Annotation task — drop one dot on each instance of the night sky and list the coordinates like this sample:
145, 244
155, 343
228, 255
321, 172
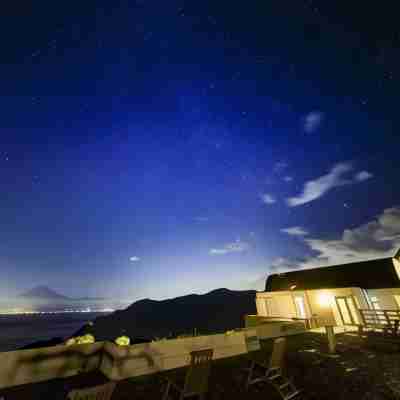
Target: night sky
159, 148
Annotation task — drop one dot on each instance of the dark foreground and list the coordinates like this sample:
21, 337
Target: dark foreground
355, 372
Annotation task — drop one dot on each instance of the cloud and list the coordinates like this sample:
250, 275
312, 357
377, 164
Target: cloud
235, 247
134, 259
295, 231
201, 219
376, 239
268, 199
281, 264
287, 178
363, 176
316, 188
312, 121
280, 166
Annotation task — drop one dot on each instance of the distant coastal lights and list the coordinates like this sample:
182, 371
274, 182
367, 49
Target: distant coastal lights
29, 312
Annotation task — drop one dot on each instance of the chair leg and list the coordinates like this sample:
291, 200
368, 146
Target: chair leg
250, 375
166, 392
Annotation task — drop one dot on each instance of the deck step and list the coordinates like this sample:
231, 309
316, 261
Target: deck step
284, 385
292, 395
273, 377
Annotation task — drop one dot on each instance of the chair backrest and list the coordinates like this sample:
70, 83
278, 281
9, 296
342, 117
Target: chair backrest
278, 353
101, 392
396, 327
196, 381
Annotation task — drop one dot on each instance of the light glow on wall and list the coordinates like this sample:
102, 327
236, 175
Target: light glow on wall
325, 299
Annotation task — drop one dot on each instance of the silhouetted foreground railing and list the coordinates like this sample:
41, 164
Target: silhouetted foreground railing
35, 365
117, 362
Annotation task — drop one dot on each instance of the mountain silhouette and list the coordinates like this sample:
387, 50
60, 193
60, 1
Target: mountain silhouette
43, 292
216, 311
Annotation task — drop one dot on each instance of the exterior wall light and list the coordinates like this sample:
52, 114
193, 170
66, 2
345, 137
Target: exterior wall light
325, 299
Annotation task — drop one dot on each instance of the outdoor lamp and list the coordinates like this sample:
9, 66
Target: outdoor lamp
324, 299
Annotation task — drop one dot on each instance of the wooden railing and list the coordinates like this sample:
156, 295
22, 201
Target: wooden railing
115, 362
379, 318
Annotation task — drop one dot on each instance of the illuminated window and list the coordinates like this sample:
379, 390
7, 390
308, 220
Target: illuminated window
357, 302
300, 308
396, 264
397, 300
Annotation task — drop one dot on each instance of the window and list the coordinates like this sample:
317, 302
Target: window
271, 309
368, 300
397, 300
261, 307
300, 308
357, 302
396, 264
347, 310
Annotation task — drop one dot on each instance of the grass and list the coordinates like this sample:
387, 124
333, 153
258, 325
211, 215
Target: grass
355, 372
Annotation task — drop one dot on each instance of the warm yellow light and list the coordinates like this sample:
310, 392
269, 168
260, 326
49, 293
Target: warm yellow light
292, 287
325, 299
122, 341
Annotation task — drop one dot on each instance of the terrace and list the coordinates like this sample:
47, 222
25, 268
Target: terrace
354, 372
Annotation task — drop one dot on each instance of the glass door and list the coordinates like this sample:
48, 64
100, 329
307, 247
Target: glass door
300, 308
347, 310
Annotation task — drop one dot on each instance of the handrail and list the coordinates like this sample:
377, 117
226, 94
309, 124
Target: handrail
35, 365
383, 317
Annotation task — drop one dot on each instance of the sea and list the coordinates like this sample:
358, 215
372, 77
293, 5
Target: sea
22, 324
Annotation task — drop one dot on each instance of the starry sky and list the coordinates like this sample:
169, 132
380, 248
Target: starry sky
157, 148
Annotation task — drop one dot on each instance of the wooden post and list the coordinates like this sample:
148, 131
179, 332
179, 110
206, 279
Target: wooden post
331, 338
363, 317
360, 330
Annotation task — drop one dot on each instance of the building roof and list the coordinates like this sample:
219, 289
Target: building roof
372, 274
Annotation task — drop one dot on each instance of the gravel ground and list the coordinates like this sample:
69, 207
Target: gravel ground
356, 371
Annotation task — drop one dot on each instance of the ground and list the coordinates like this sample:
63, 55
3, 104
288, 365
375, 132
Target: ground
356, 371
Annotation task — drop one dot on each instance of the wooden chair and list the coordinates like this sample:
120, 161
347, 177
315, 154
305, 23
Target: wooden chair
100, 392
196, 379
272, 372
392, 329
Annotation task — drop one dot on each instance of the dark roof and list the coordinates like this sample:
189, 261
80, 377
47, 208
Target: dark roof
373, 274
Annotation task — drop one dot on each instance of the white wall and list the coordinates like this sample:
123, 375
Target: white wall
327, 314
385, 297
282, 304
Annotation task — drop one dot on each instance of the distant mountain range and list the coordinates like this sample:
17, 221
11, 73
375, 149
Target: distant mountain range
216, 311
45, 293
